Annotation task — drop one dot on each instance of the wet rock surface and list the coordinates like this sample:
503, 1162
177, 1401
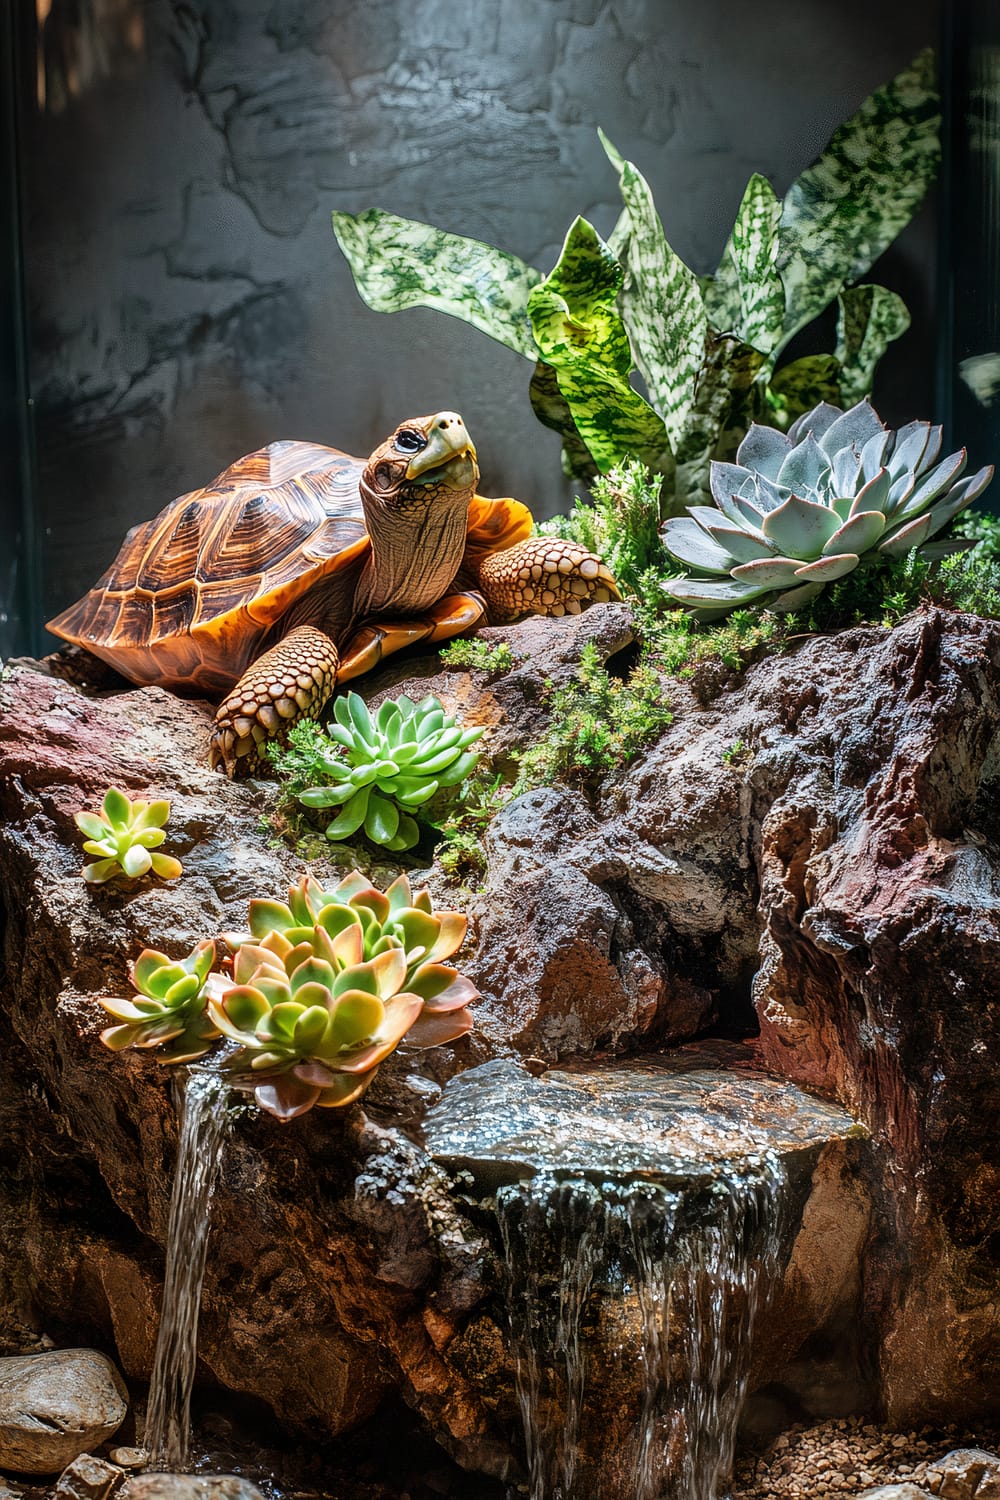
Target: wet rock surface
843, 874
55, 1406
190, 1487
672, 1120
88, 1478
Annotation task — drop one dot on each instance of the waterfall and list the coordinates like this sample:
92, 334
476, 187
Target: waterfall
691, 1267
200, 1098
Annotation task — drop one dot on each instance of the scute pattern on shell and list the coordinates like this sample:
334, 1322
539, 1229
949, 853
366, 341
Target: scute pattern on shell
193, 591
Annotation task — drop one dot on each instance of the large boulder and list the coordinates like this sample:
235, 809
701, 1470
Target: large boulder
55, 1406
839, 872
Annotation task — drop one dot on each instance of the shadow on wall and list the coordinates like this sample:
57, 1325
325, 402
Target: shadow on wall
187, 301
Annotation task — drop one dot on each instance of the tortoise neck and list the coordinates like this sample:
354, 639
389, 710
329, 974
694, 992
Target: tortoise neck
414, 558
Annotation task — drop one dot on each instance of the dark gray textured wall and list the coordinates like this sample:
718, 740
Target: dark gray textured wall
189, 303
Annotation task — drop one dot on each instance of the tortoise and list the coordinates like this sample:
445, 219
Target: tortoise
300, 567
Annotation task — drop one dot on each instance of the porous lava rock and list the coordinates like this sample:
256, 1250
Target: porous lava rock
840, 873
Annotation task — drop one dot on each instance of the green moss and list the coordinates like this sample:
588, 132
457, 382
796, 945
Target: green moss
474, 655
984, 530
461, 853
598, 724
621, 523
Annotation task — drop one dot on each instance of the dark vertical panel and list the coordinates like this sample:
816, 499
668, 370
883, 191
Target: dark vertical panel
969, 363
20, 549
187, 299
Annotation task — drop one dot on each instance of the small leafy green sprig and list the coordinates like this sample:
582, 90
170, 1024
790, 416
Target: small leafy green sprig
598, 724
123, 833
385, 768
170, 1011
471, 654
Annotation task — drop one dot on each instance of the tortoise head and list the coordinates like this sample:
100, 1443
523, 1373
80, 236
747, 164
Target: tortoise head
426, 461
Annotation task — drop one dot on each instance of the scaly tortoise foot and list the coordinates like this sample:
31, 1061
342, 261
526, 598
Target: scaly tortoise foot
291, 681
546, 576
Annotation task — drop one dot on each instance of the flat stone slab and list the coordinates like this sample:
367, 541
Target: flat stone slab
668, 1119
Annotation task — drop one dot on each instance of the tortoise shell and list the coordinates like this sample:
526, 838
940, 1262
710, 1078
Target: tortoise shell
193, 593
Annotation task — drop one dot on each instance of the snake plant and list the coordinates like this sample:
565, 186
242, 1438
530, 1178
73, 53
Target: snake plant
169, 1013
801, 509
385, 768
123, 833
708, 348
381, 921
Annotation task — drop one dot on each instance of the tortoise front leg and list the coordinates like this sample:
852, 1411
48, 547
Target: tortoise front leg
291, 681
544, 576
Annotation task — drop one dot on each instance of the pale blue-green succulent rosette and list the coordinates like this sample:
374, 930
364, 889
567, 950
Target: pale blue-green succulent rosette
800, 509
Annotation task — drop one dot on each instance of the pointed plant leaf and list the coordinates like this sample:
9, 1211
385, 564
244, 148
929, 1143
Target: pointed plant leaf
580, 333
796, 388
116, 806
552, 409
869, 319
746, 295
401, 263
851, 203
90, 824
662, 305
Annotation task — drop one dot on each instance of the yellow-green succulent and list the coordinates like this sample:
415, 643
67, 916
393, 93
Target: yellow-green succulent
123, 834
169, 1013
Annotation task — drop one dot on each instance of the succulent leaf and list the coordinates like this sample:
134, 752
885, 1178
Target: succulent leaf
123, 833
172, 1003
838, 490
388, 765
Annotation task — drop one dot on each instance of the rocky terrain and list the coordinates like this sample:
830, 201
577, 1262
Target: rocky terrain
826, 899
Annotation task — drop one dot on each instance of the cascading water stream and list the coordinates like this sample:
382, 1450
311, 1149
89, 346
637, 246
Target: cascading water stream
694, 1264
200, 1099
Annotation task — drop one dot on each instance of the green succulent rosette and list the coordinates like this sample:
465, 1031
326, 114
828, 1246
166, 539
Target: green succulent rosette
124, 835
387, 767
312, 1029
800, 509
169, 1012
394, 920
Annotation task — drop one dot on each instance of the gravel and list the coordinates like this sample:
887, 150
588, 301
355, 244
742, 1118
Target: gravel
847, 1457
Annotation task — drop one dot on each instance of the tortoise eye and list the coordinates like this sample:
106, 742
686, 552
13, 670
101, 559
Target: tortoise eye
408, 441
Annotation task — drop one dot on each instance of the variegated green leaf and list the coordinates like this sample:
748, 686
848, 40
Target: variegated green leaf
400, 263
870, 318
550, 408
719, 419
746, 296
798, 387
579, 332
661, 304
855, 198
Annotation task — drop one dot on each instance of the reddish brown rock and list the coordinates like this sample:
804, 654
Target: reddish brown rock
849, 860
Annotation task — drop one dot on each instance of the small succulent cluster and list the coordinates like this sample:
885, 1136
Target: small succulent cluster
122, 834
322, 990
385, 768
801, 509
170, 1012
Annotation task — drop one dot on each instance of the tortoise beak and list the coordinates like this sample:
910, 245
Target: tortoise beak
447, 438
